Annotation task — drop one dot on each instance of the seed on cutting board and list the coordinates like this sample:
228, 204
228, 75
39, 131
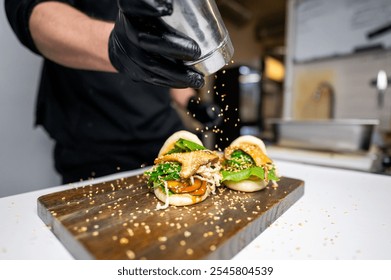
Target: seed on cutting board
162, 238
189, 251
124, 240
130, 232
130, 254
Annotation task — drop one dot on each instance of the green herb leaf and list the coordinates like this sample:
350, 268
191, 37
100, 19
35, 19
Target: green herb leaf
272, 175
239, 161
243, 174
163, 172
183, 146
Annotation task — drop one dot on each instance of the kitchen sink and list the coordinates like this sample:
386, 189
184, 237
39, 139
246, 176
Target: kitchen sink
337, 135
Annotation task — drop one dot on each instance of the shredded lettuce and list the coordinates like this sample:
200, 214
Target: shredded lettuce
163, 172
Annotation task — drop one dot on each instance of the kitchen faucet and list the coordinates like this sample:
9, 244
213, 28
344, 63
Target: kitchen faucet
322, 89
381, 84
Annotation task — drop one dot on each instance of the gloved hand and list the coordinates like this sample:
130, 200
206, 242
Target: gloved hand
147, 49
207, 113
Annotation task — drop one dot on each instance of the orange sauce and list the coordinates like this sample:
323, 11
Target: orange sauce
183, 187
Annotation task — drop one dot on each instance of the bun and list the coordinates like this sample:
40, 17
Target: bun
249, 139
180, 199
246, 185
170, 142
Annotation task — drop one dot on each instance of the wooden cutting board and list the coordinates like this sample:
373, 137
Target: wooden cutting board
117, 220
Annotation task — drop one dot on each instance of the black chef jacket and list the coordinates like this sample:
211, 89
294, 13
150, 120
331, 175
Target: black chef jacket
101, 122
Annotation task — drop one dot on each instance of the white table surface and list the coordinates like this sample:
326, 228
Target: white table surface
343, 215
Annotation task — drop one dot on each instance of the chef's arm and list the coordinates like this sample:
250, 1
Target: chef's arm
181, 96
138, 44
68, 37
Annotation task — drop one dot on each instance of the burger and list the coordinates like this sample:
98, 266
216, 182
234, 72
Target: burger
185, 172
246, 166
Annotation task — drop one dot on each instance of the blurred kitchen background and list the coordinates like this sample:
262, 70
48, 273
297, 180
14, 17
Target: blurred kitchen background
310, 77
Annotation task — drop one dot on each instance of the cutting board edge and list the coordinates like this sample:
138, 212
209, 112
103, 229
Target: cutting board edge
62, 234
225, 251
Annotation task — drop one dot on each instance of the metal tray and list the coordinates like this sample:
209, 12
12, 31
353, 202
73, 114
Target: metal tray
339, 135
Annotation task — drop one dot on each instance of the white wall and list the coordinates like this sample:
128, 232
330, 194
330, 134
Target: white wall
350, 76
25, 151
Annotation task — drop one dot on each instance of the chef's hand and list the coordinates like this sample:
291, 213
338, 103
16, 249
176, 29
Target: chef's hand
207, 113
145, 48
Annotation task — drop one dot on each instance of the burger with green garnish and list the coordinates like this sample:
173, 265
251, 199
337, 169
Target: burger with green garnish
185, 172
246, 166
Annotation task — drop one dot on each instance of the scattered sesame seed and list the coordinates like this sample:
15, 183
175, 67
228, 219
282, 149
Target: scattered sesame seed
124, 241
130, 254
189, 251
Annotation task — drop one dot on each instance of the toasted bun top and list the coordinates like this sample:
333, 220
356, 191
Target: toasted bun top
170, 142
250, 140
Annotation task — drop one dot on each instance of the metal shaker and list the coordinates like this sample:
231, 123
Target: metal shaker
201, 21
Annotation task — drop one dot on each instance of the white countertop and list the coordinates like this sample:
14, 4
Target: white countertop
343, 215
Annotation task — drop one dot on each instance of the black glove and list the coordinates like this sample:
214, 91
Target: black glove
207, 113
147, 49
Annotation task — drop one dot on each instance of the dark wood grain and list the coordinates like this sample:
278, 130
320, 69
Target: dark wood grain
118, 220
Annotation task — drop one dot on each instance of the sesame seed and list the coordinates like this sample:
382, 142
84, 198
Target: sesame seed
130, 254
189, 251
124, 241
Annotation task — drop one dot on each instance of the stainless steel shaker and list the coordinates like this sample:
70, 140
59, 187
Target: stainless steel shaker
201, 21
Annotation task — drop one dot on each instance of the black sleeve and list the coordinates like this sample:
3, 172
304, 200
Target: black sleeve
18, 14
